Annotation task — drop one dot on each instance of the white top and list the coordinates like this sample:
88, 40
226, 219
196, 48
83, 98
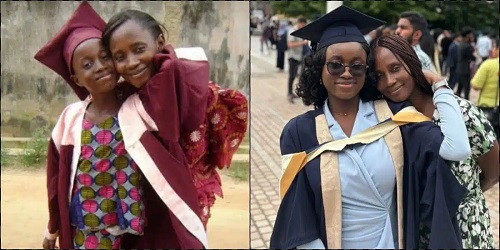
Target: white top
484, 45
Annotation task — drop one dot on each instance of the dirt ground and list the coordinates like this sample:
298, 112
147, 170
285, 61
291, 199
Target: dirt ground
24, 211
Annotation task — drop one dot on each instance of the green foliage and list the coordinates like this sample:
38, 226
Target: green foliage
36, 149
239, 170
244, 146
452, 15
243, 150
5, 157
308, 9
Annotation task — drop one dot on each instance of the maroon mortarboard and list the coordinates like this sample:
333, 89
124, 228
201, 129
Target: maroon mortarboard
84, 24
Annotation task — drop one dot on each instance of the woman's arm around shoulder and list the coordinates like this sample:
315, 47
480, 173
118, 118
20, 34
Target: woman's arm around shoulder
455, 146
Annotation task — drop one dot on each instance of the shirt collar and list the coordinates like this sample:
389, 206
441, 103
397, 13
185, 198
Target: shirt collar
364, 109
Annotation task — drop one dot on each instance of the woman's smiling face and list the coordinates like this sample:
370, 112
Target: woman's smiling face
393, 79
344, 83
133, 48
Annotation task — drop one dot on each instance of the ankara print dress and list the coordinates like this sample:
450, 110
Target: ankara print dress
106, 200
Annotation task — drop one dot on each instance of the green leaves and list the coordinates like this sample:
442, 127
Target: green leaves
452, 15
309, 9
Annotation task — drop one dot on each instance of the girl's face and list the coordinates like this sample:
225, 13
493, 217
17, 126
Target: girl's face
344, 83
393, 80
133, 48
93, 67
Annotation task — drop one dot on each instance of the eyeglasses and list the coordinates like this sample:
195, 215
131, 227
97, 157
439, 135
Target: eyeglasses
336, 68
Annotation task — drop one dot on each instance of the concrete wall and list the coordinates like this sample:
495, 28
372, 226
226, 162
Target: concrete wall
33, 96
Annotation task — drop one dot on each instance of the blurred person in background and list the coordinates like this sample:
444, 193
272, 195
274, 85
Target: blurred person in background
452, 58
465, 56
266, 34
412, 27
444, 45
484, 45
486, 81
281, 45
428, 45
295, 55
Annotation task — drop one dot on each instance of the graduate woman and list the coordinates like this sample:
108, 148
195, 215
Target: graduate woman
366, 195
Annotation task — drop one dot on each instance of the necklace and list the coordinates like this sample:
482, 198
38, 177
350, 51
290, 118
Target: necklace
345, 114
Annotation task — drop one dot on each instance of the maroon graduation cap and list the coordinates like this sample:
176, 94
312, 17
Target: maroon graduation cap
57, 54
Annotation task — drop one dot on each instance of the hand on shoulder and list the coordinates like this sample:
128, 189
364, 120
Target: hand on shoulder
432, 77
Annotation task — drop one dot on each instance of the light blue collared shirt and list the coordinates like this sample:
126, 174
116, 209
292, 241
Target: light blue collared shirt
367, 180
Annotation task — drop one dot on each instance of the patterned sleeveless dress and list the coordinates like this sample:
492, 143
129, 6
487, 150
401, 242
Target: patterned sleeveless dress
473, 214
106, 201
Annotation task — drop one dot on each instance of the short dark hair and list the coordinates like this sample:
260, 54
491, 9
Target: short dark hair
144, 19
416, 19
466, 30
302, 19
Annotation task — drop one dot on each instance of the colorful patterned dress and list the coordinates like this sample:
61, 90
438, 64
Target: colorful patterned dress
106, 200
473, 214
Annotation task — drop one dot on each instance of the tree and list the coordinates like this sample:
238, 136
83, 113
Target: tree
452, 15
308, 9
443, 14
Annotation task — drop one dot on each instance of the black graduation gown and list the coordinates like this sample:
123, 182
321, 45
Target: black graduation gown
430, 190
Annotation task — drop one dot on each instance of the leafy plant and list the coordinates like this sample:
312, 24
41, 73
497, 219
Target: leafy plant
35, 151
452, 15
239, 170
5, 157
309, 9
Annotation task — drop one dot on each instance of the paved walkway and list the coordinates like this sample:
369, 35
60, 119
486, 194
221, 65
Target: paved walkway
270, 111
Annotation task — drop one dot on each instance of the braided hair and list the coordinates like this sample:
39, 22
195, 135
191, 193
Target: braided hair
405, 55
310, 88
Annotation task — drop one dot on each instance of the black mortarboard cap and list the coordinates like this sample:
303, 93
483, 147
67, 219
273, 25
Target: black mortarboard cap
340, 25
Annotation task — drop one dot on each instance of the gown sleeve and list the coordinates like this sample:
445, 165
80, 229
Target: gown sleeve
52, 187
432, 194
174, 95
296, 221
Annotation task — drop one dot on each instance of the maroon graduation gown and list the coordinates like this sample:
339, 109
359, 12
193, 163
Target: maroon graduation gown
151, 121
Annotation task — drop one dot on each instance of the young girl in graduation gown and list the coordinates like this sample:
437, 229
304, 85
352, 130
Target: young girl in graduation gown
94, 186
117, 169
356, 198
179, 103
396, 66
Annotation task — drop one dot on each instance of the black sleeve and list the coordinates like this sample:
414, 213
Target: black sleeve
296, 222
432, 193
